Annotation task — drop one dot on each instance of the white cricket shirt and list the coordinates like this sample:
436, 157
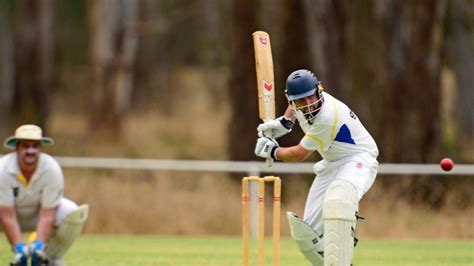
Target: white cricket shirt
44, 190
336, 132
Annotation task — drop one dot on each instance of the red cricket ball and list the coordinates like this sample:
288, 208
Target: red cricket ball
446, 164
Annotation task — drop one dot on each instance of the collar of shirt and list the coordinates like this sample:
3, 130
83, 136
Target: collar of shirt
14, 169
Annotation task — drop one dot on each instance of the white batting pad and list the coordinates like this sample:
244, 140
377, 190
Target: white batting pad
67, 232
339, 213
309, 242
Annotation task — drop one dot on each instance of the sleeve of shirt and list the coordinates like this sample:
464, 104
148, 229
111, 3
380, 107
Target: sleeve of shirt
54, 189
319, 137
6, 193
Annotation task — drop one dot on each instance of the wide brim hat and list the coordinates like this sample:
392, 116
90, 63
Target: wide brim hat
27, 132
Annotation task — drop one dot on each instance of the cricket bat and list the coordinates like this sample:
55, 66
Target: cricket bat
265, 80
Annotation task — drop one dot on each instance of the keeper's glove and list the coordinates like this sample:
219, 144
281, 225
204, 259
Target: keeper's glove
38, 257
20, 258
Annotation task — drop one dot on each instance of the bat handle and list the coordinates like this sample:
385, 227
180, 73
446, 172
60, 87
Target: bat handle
269, 162
269, 134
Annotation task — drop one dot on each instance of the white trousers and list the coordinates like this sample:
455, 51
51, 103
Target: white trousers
360, 170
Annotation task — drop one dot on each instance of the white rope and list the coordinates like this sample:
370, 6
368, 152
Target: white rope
254, 168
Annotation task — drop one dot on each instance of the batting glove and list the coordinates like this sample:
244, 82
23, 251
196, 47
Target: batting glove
266, 148
21, 254
279, 127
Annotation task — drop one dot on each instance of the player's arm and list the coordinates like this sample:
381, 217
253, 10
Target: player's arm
290, 114
51, 197
292, 154
10, 224
269, 148
46, 220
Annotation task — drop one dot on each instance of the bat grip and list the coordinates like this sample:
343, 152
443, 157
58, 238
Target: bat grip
269, 162
269, 134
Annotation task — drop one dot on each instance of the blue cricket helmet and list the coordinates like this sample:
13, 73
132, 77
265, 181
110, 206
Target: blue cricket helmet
302, 83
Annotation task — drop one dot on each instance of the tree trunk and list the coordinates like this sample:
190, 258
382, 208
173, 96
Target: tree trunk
112, 49
34, 62
461, 49
6, 71
329, 24
215, 26
294, 55
148, 53
242, 85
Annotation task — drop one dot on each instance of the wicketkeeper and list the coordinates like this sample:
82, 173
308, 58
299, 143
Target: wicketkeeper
326, 235
31, 200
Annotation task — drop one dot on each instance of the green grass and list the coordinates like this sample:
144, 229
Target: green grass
226, 251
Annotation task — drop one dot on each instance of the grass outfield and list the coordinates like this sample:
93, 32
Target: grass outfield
222, 251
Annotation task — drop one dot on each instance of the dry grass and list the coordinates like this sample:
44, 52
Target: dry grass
394, 217
156, 203
195, 126
170, 203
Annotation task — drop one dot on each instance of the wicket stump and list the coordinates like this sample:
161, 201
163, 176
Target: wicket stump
261, 218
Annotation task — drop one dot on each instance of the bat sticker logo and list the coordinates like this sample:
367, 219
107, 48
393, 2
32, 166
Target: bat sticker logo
268, 86
263, 40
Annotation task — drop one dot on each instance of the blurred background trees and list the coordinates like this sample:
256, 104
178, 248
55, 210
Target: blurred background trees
28, 65
405, 67
112, 53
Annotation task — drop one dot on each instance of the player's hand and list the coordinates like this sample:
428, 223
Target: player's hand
37, 245
37, 251
21, 254
279, 127
266, 148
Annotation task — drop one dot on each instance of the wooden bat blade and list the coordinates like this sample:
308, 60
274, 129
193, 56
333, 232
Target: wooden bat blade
265, 79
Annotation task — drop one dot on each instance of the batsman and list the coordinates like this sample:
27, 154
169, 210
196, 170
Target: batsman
31, 200
326, 234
